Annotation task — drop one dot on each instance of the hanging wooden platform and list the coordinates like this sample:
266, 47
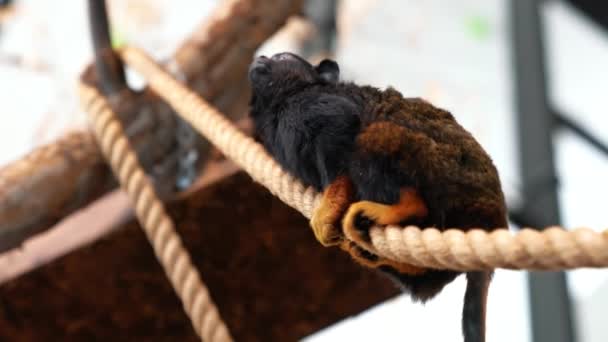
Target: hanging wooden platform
268, 276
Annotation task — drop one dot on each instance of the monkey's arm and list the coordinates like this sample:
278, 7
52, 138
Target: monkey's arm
332, 123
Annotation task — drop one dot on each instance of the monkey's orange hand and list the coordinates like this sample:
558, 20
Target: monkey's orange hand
325, 221
361, 216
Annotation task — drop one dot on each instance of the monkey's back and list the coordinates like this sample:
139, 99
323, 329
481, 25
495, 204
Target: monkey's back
417, 144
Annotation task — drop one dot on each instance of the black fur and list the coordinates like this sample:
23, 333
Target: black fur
309, 131
474, 310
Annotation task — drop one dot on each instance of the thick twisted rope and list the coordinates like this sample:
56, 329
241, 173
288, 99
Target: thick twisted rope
155, 222
551, 249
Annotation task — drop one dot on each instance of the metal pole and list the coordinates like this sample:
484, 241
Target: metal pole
572, 125
109, 67
549, 300
322, 13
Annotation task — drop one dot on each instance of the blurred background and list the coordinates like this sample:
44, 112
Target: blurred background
528, 78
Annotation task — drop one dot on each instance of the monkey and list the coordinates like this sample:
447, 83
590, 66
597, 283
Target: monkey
378, 158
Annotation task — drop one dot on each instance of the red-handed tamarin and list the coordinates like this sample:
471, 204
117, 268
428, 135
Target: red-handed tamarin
379, 158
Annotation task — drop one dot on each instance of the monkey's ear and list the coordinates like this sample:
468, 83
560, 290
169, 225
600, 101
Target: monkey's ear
328, 70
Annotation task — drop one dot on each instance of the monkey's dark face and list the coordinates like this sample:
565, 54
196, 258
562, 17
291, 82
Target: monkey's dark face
285, 72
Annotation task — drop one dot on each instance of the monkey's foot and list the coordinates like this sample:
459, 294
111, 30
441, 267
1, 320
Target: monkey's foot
361, 216
325, 220
371, 260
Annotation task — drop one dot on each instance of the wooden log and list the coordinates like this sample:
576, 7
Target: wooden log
38, 189
213, 59
265, 271
57, 179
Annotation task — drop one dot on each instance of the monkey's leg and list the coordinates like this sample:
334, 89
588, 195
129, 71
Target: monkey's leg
325, 220
474, 308
363, 215
372, 260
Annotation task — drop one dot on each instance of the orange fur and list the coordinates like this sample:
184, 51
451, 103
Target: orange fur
409, 207
325, 221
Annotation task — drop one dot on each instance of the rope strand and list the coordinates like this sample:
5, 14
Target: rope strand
154, 220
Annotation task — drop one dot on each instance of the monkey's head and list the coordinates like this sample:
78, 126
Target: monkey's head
286, 73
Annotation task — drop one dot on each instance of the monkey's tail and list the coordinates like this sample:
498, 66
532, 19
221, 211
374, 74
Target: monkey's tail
474, 308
